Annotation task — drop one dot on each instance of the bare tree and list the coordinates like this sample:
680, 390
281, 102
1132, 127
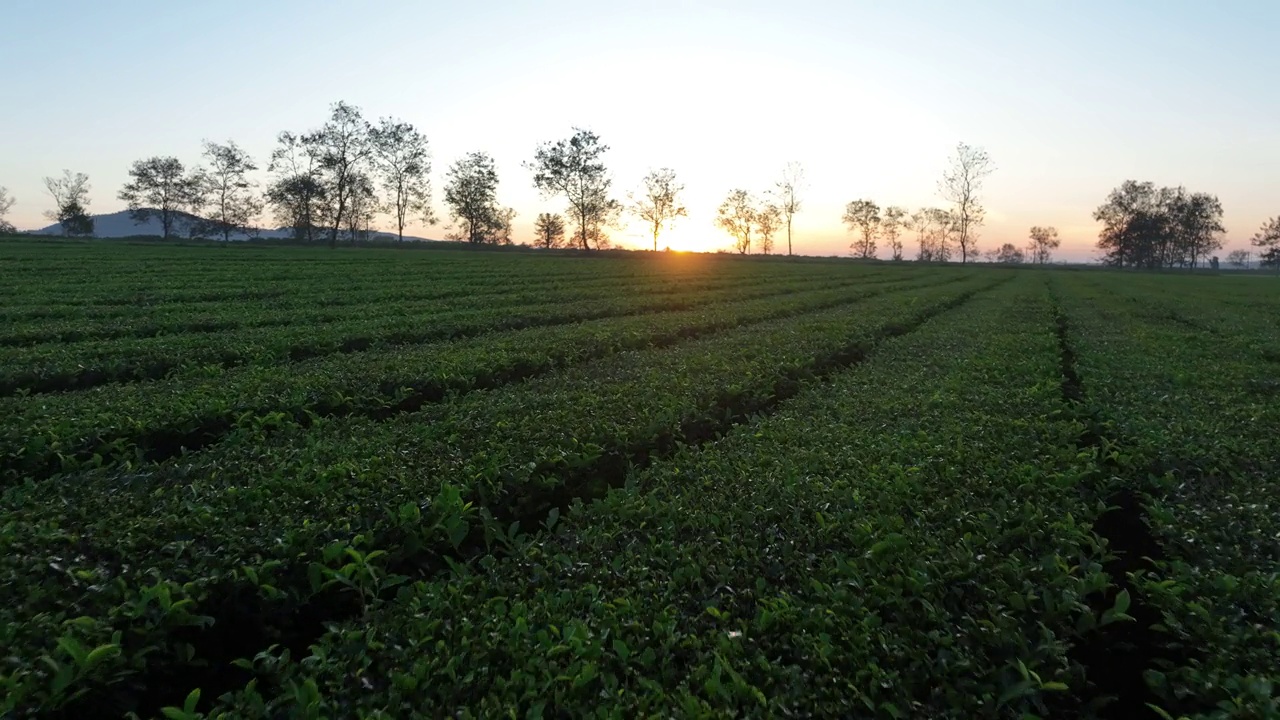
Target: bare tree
549, 230
160, 188
737, 216
66, 190
659, 203
1044, 240
863, 216
70, 195
226, 190
1268, 236
919, 223
343, 147
404, 163
6, 202
573, 168
768, 220
471, 193
787, 191
297, 193
1239, 258
961, 184
892, 223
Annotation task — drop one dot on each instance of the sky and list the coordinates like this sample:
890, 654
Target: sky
1068, 98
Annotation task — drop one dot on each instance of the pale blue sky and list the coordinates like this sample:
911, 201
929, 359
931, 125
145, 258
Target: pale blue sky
1069, 98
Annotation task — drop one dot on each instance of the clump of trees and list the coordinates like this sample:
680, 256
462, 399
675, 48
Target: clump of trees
870, 224
326, 181
574, 168
70, 195
332, 182
297, 193
892, 224
934, 229
1239, 258
1044, 240
1149, 227
938, 232
1009, 254
744, 217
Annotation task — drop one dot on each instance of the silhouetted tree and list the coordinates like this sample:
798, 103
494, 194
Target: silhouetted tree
362, 207
75, 220
1197, 224
1009, 254
404, 164
160, 188
961, 185
504, 222
1133, 225
919, 224
1269, 237
1044, 240
549, 230
471, 193
1238, 258
659, 202
934, 228
892, 222
297, 193
787, 191
573, 168
768, 220
1147, 227
70, 195
863, 216
225, 188
6, 202
342, 148
737, 216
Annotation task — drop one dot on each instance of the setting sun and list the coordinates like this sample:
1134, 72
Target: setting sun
683, 235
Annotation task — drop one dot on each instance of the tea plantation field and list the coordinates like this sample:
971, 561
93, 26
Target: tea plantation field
247, 482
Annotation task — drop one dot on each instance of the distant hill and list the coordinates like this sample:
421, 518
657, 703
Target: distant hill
115, 225
119, 225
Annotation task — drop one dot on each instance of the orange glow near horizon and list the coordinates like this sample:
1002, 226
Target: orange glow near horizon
687, 238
